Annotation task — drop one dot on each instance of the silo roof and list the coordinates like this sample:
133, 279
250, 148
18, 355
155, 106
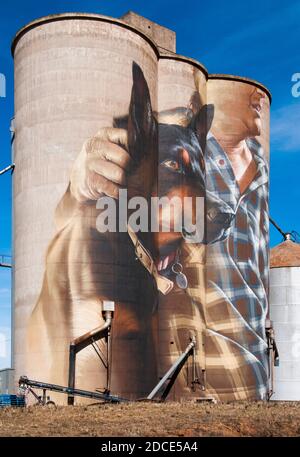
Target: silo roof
242, 79
122, 22
78, 16
286, 254
190, 60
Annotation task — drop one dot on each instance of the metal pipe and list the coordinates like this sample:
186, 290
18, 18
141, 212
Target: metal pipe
273, 355
72, 369
175, 368
109, 359
82, 342
10, 167
93, 335
278, 228
3, 263
24, 381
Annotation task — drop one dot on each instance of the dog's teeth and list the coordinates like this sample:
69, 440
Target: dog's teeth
160, 265
165, 264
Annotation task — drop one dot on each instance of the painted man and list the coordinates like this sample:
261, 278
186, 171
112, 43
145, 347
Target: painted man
237, 267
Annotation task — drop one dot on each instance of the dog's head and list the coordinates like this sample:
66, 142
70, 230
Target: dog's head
169, 160
182, 174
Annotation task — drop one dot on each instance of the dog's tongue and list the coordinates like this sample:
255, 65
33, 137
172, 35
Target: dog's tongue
163, 262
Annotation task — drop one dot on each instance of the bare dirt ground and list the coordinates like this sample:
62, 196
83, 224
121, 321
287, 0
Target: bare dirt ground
145, 419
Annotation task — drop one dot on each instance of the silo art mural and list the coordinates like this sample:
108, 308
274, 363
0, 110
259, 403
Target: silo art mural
150, 182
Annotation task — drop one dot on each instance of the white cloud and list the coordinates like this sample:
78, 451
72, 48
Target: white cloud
285, 131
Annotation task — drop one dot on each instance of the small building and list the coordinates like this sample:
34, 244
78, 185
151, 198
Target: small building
285, 314
7, 385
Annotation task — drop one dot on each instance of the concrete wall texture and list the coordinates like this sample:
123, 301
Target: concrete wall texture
75, 75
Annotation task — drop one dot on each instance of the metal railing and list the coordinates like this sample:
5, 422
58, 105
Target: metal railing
10, 167
5, 261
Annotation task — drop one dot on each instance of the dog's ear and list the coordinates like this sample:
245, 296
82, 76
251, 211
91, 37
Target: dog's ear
142, 125
201, 123
195, 102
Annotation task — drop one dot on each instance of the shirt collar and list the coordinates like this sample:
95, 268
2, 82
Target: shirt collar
217, 153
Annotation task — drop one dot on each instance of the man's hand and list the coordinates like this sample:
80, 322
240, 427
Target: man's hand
100, 168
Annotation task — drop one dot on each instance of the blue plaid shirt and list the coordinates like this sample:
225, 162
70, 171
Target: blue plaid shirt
237, 267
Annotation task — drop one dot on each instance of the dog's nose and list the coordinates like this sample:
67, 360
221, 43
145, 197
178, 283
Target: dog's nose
216, 216
212, 214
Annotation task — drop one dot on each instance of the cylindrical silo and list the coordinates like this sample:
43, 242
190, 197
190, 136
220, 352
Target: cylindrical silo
223, 90
181, 97
237, 231
74, 74
285, 315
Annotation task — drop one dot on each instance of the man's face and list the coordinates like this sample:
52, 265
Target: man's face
239, 110
253, 117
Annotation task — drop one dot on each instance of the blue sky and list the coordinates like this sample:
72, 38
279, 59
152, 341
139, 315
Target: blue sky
258, 39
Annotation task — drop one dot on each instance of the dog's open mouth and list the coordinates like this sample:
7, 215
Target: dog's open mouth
168, 252
167, 255
165, 261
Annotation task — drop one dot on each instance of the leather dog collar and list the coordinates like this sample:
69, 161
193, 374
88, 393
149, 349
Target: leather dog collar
164, 285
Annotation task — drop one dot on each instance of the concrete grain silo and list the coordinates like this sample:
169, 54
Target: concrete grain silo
82, 82
237, 273
220, 85
285, 315
181, 95
73, 76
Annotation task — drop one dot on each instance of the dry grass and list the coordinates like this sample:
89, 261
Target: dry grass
153, 419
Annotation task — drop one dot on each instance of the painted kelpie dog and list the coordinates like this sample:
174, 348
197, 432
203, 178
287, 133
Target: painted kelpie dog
84, 267
181, 255
181, 173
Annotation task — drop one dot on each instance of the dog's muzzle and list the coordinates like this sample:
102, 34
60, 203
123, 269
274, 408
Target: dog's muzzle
164, 285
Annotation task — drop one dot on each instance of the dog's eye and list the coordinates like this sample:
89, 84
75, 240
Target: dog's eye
171, 164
